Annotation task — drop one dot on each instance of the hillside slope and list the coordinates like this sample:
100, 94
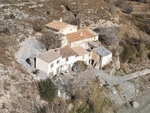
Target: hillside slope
21, 20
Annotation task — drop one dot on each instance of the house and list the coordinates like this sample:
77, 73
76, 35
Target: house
82, 54
100, 57
94, 44
81, 38
68, 58
61, 27
81, 45
49, 62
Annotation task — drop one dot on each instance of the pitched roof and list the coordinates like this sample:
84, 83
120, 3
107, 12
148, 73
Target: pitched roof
80, 35
94, 44
80, 50
49, 56
67, 51
102, 51
56, 25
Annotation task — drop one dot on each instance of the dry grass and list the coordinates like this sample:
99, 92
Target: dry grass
96, 102
4, 57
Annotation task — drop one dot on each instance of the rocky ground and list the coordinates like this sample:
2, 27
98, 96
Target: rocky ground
18, 92
18, 28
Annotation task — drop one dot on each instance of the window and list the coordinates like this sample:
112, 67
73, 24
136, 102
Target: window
57, 61
66, 59
83, 56
89, 54
52, 65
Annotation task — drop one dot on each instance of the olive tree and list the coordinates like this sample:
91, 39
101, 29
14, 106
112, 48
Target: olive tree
50, 40
108, 36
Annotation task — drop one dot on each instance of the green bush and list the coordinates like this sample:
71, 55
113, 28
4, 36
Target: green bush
47, 89
80, 66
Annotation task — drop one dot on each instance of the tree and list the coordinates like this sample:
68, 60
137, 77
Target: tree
47, 89
50, 40
37, 26
118, 3
128, 8
108, 36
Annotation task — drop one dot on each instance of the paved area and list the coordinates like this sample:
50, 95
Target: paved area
30, 48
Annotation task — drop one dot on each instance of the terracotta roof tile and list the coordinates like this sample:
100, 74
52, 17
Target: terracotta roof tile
80, 50
80, 35
67, 51
49, 56
56, 25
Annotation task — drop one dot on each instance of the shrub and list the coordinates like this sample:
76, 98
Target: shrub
37, 26
118, 3
47, 89
4, 30
36, 71
12, 16
79, 66
133, 50
128, 9
108, 36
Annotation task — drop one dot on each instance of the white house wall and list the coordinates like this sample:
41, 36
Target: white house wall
83, 43
55, 67
67, 64
68, 29
41, 65
105, 60
64, 42
85, 58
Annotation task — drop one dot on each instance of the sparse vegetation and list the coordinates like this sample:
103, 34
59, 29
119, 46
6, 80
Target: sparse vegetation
94, 102
143, 22
133, 50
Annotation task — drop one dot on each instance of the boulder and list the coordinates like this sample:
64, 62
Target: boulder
134, 104
63, 94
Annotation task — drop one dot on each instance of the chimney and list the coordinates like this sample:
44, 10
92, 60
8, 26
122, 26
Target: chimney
81, 34
60, 19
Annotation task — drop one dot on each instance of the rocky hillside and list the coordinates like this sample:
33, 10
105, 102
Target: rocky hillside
18, 92
126, 35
